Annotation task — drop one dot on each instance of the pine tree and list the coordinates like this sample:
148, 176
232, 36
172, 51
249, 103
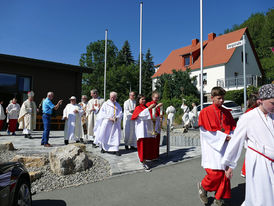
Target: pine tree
125, 56
147, 72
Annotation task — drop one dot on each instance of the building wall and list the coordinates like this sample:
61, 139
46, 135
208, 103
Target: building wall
64, 83
213, 73
235, 64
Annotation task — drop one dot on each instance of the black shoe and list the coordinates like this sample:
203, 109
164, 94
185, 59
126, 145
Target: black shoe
126, 147
42, 143
14, 134
81, 140
26, 136
30, 137
77, 141
117, 153
103, 151
133, 148
66, 142
94, 145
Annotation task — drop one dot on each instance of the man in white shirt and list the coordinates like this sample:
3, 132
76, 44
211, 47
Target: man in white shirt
128, 124
170, 111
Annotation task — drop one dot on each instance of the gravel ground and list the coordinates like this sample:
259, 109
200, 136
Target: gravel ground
50, 181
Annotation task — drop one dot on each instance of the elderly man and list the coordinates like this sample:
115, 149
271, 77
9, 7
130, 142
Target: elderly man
27, 116
128, 124
12, 115
47, 107
185, 117
84, 122
72, 115
93, 107
108, 126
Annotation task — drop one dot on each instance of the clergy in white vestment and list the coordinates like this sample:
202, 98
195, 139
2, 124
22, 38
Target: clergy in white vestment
93, 107
256, 130
185, 117
27, 116
108, 126
12, 110
72, 115
170, 111
84, 122
2, 115
193, 116
128, 124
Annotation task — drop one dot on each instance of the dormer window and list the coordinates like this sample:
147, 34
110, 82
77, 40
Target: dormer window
187, 60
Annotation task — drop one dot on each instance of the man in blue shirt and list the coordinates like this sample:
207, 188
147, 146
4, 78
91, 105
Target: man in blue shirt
48, 106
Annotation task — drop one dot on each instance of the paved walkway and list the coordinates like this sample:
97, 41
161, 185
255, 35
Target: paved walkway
174, 185
126, 163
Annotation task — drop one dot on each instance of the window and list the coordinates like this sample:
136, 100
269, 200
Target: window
7, 82
187, 60
24, 84
245, 57
204, 79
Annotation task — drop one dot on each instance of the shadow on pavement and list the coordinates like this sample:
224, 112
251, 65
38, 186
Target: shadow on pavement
48, 202
238, 195
173, 156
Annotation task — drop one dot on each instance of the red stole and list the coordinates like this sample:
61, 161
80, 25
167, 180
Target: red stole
214, 118
137, 111
157, 112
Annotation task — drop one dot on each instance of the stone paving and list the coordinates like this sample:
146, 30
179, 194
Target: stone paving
128, 161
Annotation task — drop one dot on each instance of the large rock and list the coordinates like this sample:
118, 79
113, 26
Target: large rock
30, 161
35, 175
68, 160
7, 146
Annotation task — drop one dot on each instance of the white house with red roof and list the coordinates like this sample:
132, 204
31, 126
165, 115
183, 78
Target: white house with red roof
221, 66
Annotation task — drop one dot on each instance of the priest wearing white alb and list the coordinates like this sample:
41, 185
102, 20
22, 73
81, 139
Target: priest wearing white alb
72, 115
93, 107
255, 129
27, 116
128, 124
108, 126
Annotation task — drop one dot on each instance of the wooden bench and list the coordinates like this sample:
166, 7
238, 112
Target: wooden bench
54, 121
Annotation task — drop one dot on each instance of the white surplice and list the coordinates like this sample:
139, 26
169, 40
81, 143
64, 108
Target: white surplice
2, 113
193, 117
108, 133
73, 125
185, 117
213, 146
128, 124
95, 103
257, 131
170, 111
144, 125
13, 111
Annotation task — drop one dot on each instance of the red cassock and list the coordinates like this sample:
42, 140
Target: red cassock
12, 125
144, 145
243, 168
156, 145
1, 124
213, 119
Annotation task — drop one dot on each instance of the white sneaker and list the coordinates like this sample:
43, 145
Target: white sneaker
146, 167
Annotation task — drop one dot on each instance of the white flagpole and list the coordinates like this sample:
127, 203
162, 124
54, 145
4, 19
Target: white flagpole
201, 52
141, 22
105, 73
244, 72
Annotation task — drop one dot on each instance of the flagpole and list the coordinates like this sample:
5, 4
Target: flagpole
141, 24
105, 72
201, 52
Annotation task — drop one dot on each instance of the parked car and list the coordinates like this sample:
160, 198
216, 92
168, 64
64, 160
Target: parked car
235, 110
15, 186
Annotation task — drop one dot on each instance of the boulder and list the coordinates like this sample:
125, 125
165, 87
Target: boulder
30, 161
35, 175
68, 160
7, 146
81, 146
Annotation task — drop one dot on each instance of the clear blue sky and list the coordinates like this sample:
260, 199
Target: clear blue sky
60, 30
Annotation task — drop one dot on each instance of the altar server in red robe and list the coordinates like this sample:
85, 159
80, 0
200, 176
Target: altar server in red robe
216, 125
157, 117
144, 130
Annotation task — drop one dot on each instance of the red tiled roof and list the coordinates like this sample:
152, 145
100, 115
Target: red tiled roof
214, 53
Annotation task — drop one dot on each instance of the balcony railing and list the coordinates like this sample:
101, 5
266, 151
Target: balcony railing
235, 82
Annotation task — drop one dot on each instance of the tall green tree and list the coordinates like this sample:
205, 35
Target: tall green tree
147, 72
125, 56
